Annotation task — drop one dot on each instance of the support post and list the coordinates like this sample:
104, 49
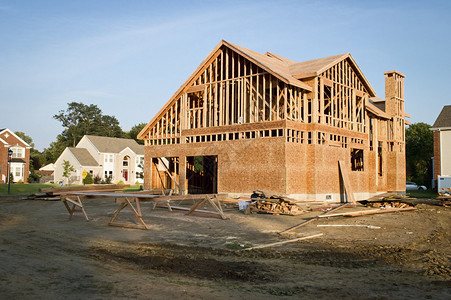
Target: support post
182, 175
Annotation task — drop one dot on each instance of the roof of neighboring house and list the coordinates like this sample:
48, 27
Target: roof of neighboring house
49, 167
444, 118
115, 145
83, 156
12, 133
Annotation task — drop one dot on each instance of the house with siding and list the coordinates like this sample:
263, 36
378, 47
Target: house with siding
20, 159
247, 121
117, 158
442, 143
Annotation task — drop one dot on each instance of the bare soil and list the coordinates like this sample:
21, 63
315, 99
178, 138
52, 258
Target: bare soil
43, 255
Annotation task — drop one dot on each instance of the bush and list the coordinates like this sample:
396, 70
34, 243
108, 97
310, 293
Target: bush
108, 179
11, 177
88, 179
20, 181
97, 179
120, 182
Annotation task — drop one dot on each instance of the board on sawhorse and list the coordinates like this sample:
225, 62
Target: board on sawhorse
136, 211
217, 207
77, 206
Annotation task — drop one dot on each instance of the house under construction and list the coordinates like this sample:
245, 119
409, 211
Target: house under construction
247, 121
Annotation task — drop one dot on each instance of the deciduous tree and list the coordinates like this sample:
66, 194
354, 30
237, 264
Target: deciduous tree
419, 150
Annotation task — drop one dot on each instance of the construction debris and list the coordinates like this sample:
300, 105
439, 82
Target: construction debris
274, 204
312, 219
392, 201
367, 212
285, 242
349, 225
445, 197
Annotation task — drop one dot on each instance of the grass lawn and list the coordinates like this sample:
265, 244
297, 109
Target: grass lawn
21, 188
133, 188
422, 194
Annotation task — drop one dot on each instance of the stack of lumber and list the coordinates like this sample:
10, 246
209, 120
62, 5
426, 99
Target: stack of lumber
391, 201
277, 206
445, 197
389, 204
55, 193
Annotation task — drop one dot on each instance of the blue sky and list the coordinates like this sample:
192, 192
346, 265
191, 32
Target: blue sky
129, 57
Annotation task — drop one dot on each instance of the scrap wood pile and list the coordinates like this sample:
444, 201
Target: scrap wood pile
445, 197
55, 193
276, 205
392, 201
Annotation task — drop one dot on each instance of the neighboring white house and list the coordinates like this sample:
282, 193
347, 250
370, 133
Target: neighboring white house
119, 159
442, 143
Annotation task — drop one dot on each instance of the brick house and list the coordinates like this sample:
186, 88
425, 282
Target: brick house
245, 121
442, 143
20, 160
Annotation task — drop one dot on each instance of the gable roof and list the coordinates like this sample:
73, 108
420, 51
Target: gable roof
444, 118
12, 133
283, 68
273, 65
315, 67
106, 144
83, 156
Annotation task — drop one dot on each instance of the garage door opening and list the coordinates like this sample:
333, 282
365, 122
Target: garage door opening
201, 174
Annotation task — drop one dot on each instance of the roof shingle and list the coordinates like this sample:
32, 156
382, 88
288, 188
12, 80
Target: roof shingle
115, 145
444, 118
83, 156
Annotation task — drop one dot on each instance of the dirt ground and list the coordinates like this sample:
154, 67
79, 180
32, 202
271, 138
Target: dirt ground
43, 255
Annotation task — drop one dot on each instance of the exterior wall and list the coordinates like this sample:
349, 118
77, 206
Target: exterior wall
437, 156
3, 164
445, 156
119, 168
243, 165
76, 177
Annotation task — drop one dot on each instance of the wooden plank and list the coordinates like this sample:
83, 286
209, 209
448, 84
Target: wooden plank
346, 182
368, 212
312, 219
195, 88
285, 242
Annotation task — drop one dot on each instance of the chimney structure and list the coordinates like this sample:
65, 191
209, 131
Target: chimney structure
396, 148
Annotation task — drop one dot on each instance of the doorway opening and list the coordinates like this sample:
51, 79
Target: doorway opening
165, 173
202, 174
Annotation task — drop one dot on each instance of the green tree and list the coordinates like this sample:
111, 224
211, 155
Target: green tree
37, 159
133, 133
88, 179
67, 170
25, 138
80, 119
419, 150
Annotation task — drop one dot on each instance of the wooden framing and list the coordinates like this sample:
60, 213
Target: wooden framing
237, 94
